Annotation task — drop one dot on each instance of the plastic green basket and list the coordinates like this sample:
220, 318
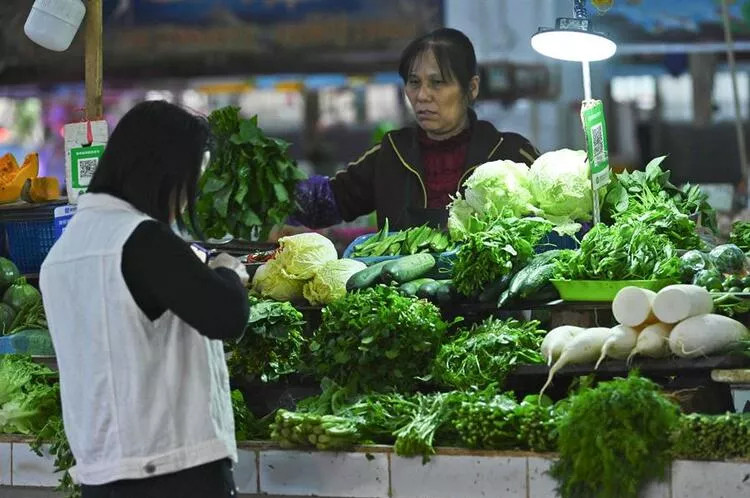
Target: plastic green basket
602, 290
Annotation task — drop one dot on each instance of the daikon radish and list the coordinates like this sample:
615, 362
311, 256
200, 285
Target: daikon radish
703, 335
633, 306
652, 342
583, 348
555, 340
619, 344
675, 303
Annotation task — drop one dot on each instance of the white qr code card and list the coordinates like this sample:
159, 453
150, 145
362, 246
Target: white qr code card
84, 145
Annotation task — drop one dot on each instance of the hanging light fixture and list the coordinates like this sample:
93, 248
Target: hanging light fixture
574, 39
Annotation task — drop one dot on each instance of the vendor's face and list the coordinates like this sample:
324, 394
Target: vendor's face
440, 105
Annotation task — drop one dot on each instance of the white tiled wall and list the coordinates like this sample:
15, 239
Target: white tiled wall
451, 476
363, 475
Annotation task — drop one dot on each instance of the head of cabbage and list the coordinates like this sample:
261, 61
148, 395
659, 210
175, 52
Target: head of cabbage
560, 184
270, 282
301, 255
490, 189
329, 282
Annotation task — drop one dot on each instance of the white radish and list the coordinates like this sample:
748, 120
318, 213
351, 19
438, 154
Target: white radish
632, 306
619, 344
675, 303
653, 342
583, 348
703, 335
556, 339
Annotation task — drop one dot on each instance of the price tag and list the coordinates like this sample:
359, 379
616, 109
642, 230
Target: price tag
62, 216
595, 129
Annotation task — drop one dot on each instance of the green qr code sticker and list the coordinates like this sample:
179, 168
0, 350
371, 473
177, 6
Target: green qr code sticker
83, 161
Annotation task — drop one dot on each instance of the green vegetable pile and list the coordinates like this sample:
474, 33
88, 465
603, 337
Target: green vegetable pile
505, 243
246, 426
500, 423
740, 235
272, 344
633, 193
614, 438
624, 251
409, 241
249, 185
712, 437
377, 338
487, 353
324, 432
29, 395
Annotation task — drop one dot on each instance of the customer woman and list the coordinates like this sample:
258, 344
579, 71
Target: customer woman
410, 175
137, 320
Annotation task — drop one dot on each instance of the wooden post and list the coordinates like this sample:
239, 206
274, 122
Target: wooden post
93, 58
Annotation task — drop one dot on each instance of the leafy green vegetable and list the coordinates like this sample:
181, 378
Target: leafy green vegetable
624, 251
246, 426
712, 437
561, 188
740, 235
301, 255
249, 185
410, 241
614, 438
324, 432
53, 433
503, 244
639, 191
491, 189
272, 343
487, 353
377, 339
667, 220
329, 282
270, 282
29, 316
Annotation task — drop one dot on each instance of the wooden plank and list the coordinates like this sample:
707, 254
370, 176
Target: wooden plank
94, 58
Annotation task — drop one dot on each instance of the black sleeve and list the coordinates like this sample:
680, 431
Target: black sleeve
517, 148
163, 273
354, 188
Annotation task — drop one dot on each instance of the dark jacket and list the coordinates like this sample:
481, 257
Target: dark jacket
389, 178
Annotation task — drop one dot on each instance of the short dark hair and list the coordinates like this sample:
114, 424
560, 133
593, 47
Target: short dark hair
453, 51
153, 160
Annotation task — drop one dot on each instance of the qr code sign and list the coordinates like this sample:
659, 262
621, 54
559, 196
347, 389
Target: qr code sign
86, 168
597, 138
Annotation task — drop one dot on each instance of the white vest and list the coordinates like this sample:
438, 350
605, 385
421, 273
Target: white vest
139, 398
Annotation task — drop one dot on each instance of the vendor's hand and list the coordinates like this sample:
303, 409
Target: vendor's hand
224, 260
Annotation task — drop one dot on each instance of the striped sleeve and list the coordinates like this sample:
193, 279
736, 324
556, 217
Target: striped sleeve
516, 148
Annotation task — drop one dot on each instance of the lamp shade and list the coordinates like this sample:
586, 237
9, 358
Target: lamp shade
573, 40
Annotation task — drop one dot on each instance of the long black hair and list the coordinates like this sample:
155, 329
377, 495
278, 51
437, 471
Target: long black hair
153, 160
453, 51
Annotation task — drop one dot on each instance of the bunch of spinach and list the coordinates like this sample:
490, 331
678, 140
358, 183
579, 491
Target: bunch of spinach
712, 437
248, 187
614, 438
272, 344
504, 243
667, 220
740, 235
625, 251
640, 191
377, 338
487, 353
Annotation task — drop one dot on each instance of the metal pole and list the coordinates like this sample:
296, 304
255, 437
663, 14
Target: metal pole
737, 112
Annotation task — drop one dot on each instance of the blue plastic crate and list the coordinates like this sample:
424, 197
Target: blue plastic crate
29, 242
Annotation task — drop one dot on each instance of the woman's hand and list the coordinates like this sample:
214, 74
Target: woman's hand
224, 260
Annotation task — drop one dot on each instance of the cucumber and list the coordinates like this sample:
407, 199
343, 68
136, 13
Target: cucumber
407, 268
365, 278
429, 289
445, 293
536, 280
545, 257
492, 292
411, 288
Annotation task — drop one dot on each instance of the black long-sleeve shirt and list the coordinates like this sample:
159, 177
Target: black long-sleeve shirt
162, 273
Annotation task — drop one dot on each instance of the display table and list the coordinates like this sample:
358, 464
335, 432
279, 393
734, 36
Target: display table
375, 471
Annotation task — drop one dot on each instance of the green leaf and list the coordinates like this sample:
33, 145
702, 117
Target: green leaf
221, 200
239, 196
213, 184
250, 219
280, 192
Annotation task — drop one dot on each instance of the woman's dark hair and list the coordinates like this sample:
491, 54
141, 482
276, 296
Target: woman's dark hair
453, 51
153, 160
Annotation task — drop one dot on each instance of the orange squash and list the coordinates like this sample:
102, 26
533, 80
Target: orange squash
8, 164
41, 189
12, 181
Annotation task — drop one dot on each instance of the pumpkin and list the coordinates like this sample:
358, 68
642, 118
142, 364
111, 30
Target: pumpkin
12, 179
41, 189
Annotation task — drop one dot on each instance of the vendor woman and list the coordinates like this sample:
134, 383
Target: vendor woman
410, 176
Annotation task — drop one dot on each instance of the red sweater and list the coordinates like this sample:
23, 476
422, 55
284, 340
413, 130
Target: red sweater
443, 162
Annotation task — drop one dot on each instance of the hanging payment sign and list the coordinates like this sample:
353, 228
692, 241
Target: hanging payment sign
595, 129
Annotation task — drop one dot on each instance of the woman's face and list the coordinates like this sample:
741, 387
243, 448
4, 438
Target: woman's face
439, 105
